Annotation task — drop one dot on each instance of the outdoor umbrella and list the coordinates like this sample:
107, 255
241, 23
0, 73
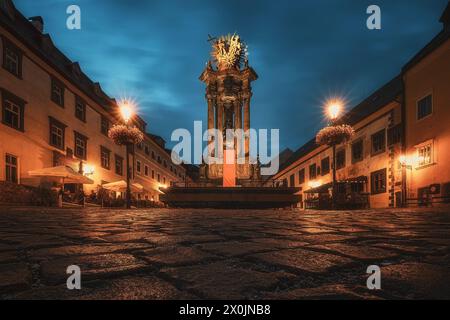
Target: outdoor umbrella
121, 186
65, 173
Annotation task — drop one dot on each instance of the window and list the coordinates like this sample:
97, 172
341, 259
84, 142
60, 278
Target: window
153, 155
425, 107
146, 171
105, 158
13, 111
80, 109
159, 178
165, 164
104, 125
11, 168
159, 159
340, 159
425, 155
301, 176
118, 165
12, 58
292, 180
394, 135
379, 142
312, 171
80, 146
57, 133
378, 181
138, 166
357, 151
164, 180
325, 166
153, 174
147, 150
58, 92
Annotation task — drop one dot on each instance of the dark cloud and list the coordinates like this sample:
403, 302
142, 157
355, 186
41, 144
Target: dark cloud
303, 52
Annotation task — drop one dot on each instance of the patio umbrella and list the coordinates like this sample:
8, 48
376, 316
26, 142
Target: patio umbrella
65, 173
121, 186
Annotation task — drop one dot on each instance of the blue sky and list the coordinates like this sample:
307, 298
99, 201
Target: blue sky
303, 51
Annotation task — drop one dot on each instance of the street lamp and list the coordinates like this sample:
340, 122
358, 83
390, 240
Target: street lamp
334, 109
333, 135
127, 112
126, 135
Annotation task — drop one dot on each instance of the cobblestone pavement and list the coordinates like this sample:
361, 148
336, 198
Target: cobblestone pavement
218, 254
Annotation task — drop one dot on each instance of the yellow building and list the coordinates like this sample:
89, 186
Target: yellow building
366, 166
53, 114
402, 139
427, 110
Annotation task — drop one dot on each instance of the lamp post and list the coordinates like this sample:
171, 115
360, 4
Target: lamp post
334, 109
127, 113
333, 135
126, 135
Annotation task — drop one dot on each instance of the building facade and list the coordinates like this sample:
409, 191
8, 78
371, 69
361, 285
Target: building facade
53, 114
427, 110
399, 153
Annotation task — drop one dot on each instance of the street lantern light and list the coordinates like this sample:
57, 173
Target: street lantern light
334, 108
126, 110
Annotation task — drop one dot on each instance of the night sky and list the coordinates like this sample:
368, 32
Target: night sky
303, 52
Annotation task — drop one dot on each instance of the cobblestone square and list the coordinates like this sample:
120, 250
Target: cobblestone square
220, 254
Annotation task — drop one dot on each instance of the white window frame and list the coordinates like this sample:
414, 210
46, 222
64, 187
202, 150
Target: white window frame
429, 143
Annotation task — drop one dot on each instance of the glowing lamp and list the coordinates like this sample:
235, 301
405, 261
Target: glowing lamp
126, 110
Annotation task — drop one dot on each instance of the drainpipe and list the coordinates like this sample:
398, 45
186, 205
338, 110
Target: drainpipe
403, 142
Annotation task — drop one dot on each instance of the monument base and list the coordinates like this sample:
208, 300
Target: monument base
231, 198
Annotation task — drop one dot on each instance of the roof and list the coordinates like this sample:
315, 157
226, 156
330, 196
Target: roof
437, 41
386, 94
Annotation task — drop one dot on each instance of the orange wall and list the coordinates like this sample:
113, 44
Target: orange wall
431, 75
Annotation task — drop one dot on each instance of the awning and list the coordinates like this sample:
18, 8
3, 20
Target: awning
64, 173
121, 186
360, 179
321, 189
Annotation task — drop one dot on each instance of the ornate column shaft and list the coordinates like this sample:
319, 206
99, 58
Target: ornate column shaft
210, 123
247, 123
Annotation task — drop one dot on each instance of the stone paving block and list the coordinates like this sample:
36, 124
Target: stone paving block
303, 260
223, 280
8, 257
86, 249
234, 248
326, 292
92, 267
124, 288
358, 252
14, 277
415, 280
279, 243
175, 255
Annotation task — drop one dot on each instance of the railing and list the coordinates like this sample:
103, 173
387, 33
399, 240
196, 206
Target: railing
428, 201
217, 184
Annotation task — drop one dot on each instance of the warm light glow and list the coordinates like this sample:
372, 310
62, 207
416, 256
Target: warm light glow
314, 184
410, 160
334, 108
126, 110
88, 169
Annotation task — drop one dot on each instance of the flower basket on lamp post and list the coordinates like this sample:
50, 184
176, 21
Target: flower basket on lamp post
332, 136
125, 135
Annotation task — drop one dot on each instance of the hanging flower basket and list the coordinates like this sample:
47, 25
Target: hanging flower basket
123, 135
335, 135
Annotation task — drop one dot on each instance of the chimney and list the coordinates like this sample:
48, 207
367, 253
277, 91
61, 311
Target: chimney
38, 23
445, 19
